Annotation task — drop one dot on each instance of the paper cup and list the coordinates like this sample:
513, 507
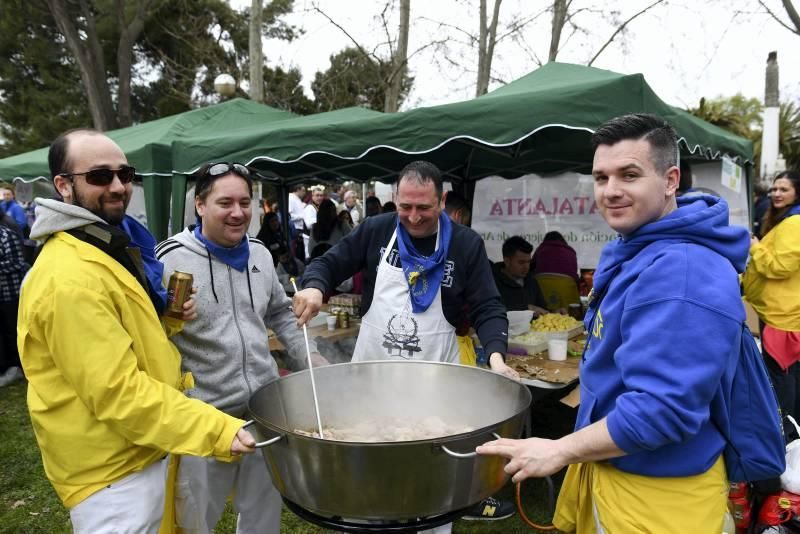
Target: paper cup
331, 322
557, 346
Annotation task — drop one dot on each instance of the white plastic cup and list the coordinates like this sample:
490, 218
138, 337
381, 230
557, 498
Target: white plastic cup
331, 322
557, 346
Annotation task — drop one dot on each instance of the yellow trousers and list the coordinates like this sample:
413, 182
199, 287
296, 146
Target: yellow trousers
466, 350
598, 498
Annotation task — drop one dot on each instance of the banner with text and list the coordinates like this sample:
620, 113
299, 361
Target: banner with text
531, 206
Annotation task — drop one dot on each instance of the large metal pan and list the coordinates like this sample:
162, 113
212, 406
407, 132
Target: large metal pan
395, 480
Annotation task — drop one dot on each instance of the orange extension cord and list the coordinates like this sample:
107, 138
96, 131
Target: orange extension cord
535, 526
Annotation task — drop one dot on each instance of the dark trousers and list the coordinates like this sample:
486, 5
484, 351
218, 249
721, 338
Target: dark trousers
787, 389
9, 356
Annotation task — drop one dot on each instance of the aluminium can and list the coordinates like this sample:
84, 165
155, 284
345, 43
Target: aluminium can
179, 290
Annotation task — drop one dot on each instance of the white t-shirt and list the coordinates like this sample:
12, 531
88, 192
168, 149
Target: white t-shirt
310, 215
296, 207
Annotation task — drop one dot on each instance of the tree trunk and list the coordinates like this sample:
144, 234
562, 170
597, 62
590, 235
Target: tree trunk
399, 59
89, 56
487, 39
256, 52
128, 34
559, 18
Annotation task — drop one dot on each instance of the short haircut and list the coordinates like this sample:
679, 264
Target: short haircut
57, 155
453, 202
350, 194
204, 182
296, 187
372, 206
515, 244
656, 131
422, 172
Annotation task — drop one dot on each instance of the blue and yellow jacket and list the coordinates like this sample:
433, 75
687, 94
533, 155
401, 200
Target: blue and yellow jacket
663, 326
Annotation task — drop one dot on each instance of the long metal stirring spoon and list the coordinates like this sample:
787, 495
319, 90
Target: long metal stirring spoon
311, 373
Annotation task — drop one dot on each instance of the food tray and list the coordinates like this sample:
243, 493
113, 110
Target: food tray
538, 367
529, 348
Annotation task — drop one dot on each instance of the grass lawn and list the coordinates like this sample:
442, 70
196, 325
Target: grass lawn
29, 505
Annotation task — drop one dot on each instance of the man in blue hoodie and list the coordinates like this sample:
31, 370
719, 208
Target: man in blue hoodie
665, 314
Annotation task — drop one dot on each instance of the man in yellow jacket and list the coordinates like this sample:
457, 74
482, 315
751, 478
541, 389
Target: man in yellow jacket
104, 379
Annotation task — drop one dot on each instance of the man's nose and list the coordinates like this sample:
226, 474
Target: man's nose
116, 185
612, 188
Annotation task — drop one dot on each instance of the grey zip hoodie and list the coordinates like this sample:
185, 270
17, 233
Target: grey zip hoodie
55, 216
226, 348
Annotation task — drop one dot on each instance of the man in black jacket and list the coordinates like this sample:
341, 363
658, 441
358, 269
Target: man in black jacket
419, 271
518, 289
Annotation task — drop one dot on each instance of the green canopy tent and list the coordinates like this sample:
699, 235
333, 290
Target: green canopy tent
149, 148
539, 123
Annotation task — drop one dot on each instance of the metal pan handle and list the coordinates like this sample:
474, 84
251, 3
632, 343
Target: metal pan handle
472, 454
262, 444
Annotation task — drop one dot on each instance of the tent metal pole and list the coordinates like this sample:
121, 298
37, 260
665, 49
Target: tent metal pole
178, 203
156, 204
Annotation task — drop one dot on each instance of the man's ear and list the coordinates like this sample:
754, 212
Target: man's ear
199, 206
673, 180
64, 187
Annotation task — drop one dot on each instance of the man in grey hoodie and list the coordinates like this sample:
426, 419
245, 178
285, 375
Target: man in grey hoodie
239, 296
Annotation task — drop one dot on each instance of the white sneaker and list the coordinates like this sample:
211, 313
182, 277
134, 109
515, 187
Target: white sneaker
11, 375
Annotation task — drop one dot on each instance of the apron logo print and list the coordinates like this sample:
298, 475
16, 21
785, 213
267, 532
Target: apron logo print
401, 336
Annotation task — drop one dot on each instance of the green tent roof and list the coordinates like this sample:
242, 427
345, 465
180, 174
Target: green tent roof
539, 123
148, 146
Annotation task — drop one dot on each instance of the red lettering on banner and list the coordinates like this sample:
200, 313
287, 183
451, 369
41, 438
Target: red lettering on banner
505, 207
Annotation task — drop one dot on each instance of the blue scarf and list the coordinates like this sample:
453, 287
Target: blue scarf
236, 257
142, 239
424, 274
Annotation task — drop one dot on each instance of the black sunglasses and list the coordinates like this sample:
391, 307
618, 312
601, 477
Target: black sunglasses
103, 177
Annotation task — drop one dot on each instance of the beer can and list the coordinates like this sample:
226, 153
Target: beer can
179, 290
343, 319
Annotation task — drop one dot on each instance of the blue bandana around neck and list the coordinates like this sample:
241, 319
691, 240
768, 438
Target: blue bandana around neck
237, 257
142, 239
423, 274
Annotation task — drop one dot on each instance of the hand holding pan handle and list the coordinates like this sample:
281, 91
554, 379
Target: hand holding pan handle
463, 454
262, 444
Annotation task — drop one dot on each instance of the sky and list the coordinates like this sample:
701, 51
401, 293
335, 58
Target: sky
685, 49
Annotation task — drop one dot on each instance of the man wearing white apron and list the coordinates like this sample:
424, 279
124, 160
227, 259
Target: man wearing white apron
421, 272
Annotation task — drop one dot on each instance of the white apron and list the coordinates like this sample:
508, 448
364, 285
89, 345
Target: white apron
391, 331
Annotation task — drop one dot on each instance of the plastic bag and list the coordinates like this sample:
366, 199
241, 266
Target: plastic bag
790, 479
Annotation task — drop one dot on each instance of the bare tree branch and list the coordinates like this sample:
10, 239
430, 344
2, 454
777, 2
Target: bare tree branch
620, 28
793, 15
314, 7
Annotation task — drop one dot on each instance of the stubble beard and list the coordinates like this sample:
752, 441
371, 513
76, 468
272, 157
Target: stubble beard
112, 217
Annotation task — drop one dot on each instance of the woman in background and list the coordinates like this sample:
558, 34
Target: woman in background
772, 285
554, 255
328, 229
271, 235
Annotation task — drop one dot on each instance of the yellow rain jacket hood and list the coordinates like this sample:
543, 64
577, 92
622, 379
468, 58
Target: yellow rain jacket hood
104, 380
